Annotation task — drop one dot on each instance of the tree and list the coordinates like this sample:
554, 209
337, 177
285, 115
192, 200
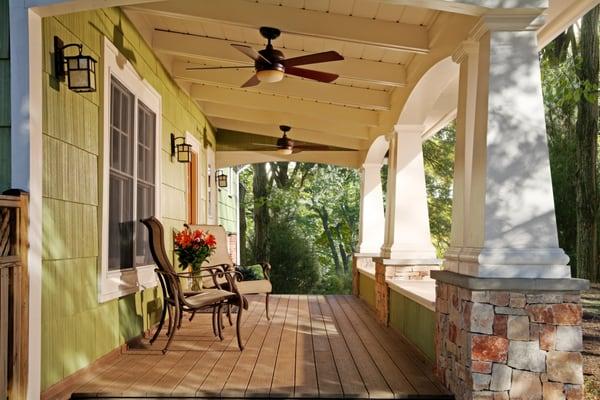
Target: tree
586, 134
261, 213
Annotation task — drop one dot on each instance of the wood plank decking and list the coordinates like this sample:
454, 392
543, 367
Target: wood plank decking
314, 346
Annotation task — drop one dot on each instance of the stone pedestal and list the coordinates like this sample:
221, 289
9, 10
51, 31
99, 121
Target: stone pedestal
360, 261
509, 338
386, 269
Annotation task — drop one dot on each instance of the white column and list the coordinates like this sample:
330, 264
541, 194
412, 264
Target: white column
507, 205
26, 156
407, 236
372, 219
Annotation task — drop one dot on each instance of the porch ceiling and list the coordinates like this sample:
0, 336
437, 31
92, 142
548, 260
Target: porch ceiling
387, 47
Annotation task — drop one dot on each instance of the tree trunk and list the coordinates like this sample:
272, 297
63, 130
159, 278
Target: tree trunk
261, 213
242, 204
586, 132
325, 220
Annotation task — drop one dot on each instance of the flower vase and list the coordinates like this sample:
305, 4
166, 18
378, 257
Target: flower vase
194, 282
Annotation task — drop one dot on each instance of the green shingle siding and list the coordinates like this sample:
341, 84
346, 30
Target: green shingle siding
414, 322
77, 329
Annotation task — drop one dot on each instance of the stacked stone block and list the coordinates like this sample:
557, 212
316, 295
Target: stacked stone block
509, 345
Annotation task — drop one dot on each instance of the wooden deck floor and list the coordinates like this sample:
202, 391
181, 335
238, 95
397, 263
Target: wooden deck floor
314, 346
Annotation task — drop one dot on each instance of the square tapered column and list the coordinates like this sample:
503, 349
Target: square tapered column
508, 312
372, 219
407, 235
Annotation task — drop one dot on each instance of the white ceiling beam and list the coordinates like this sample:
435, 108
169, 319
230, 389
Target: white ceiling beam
349, 159
304, 135
220, 51
471, 7
267, 116
382, 34
242, 98
289, 87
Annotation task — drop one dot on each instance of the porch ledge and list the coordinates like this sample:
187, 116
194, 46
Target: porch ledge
408, 262
368, 272
421, 291
522, 284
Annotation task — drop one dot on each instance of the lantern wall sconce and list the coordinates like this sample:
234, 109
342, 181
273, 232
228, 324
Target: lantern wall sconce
221, 179
80, 70
182, 150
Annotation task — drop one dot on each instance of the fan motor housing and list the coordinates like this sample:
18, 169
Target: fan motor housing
275, 56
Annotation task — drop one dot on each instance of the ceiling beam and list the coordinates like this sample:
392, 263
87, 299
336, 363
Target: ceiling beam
242, 98
289, 86
347, 159
267, 116
471, 7
220, 50
304, 135
382, 34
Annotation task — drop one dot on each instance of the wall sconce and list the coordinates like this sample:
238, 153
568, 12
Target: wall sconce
80, 69
221, 179
183, 150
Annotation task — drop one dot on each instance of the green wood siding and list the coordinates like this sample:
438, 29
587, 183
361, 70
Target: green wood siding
4, 97
77, 329
366, 289
228, 202
415, 322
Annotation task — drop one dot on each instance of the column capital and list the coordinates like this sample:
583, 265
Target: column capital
403, 129
465, 49
529, 20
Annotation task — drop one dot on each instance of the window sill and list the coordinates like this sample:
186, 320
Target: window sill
115, 284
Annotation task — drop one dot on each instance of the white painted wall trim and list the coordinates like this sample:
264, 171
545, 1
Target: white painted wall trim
421, 292
26, 156
114, 284
367, 272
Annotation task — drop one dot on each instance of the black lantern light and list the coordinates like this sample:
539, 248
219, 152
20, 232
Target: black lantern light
183, 149
221, 179
79, 69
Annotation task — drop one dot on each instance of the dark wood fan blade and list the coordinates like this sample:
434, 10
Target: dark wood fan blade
251, 82
250, 52
311, 74
228, 67
313, 59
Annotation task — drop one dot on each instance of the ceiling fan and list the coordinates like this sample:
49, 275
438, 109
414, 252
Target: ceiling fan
271, 65
287, 146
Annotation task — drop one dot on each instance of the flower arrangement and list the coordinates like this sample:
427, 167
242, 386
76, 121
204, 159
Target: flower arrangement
194, 247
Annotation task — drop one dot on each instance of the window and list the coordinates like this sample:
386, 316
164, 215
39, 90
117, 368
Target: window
130, 188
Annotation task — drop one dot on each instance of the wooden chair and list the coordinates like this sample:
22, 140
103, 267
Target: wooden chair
177, 301
221, 258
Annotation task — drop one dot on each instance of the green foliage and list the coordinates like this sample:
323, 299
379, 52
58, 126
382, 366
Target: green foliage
251, 272
295, 269
438, 154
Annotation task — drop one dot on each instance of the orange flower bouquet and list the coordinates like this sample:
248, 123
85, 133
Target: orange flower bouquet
193, 248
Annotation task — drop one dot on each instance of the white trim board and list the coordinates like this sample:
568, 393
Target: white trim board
114, 284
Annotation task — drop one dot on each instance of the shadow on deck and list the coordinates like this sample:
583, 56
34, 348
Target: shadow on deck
314, 346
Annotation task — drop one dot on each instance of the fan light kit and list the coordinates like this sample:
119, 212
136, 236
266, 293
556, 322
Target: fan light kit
271, 65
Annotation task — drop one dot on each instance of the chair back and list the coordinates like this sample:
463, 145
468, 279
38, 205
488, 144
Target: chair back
221, 255
156, 234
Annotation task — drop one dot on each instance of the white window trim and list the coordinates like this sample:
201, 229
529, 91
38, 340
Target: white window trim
115, 284
196, 148
211, 206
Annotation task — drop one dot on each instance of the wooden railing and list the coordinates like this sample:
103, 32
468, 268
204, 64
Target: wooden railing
14, 291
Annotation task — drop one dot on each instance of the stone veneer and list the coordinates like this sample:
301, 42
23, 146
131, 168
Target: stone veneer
509, 344
386, 269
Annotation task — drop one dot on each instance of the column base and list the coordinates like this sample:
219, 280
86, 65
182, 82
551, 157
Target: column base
509, 338
508, 263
